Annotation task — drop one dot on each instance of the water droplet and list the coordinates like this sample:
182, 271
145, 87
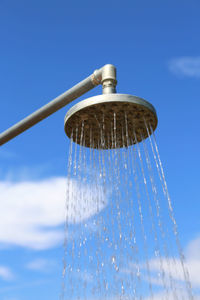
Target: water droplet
113, 259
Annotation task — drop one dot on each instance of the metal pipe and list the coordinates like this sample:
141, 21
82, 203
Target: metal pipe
108, 79
57, 103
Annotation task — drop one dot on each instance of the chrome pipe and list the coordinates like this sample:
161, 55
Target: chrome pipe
56, 104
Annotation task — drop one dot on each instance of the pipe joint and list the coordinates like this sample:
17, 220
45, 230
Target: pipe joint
107, 77
109, 80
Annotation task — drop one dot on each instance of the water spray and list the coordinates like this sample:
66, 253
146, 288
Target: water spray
127, 251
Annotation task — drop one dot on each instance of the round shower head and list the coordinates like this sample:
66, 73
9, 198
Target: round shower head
110, 121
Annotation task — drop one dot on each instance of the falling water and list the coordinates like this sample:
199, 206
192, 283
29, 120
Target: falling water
121, 236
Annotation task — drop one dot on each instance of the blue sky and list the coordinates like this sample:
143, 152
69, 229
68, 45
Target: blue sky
46, 48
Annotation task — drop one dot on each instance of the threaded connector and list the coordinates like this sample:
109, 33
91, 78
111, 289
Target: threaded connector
109, 80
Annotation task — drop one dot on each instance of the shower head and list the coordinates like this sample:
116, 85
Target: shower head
105, 122
110, 121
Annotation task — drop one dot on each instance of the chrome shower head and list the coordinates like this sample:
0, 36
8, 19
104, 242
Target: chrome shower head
105, 122
110, 121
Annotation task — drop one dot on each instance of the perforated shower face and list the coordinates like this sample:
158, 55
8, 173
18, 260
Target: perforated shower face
110, 121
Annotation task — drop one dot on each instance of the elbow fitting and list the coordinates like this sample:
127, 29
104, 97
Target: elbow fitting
107, 77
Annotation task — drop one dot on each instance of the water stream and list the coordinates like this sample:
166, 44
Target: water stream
121, 236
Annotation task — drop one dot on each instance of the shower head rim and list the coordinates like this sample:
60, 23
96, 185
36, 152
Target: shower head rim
108, 98
85, 114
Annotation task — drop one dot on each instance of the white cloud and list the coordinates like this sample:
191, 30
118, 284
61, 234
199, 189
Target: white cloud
6, 273
162, 295
193, 261
30, 211
172, 267
185, 66
41, 264
193, 249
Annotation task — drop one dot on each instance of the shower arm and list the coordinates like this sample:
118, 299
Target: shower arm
105, 76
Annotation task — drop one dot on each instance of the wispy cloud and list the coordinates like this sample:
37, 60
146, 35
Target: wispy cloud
21, 286
41, 264
30, 212
84, 276
172, 268
193, 249
6, 273
170, 296
185, 66
7, 154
